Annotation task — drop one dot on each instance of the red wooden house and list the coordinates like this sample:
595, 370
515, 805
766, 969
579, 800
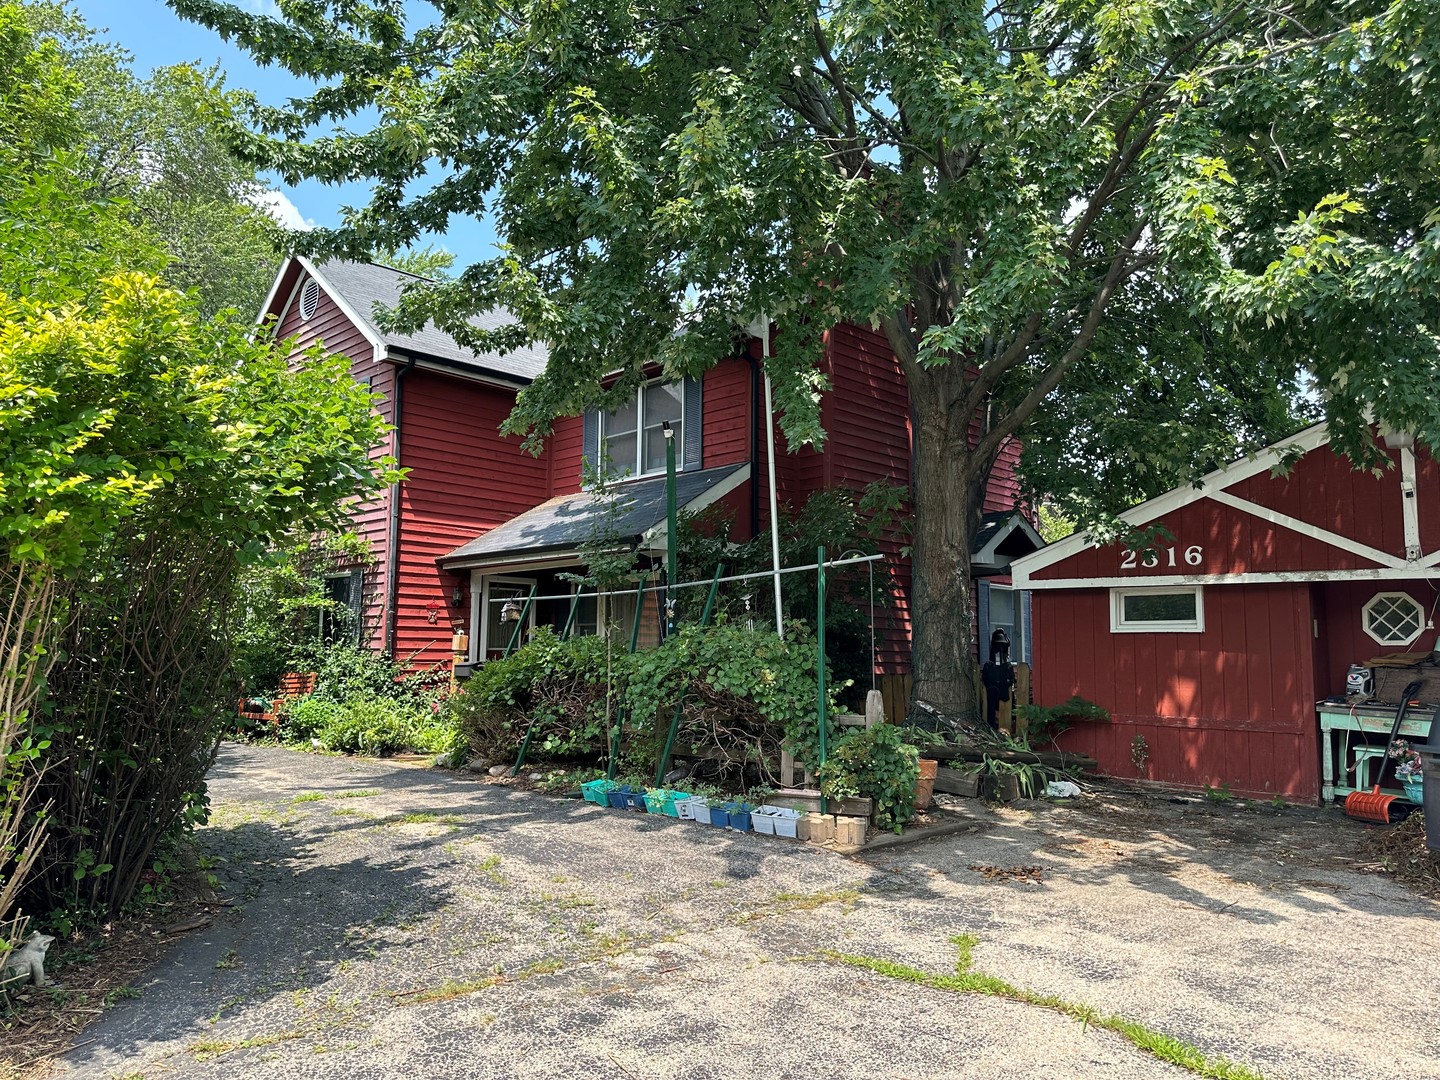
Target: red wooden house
478, 520
1212, 647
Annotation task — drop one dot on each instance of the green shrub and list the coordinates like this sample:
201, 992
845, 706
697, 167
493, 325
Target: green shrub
561, 685
370, 725
347, 672
303, 720
875, 763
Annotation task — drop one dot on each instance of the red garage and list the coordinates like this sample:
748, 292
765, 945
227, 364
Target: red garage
1212, 647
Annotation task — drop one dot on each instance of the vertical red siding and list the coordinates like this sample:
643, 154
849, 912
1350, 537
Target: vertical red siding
1342, 633
1233, 705
464, 479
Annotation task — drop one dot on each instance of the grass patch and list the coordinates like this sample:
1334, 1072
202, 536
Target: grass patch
309, 796
207, 1049
355, 794
786, 902
449, 990
968, 981
424, 817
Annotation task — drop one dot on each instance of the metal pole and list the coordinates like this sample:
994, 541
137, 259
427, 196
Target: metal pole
774, 501
570, 619
620, 714
520, 623
679, 706
820, 665
671, 554
530, 727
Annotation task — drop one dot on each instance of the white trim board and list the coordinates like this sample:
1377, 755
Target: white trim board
1305, 528
655, 536
1304, 441
377, 344
1282, 577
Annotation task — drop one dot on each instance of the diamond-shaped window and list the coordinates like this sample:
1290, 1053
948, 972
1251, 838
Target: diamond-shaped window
1393, 618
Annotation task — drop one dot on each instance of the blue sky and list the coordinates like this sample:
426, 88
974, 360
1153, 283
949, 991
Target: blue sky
156, 37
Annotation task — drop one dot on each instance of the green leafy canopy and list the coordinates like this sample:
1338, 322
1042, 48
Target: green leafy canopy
1143, 235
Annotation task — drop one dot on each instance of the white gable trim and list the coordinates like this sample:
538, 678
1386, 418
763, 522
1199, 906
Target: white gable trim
987, 556
1304, 441
656, 539
1280, 577
274, 292
363, 324
1345, 543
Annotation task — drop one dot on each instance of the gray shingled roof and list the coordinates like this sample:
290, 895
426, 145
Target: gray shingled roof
568, 522
993, 524
363, 285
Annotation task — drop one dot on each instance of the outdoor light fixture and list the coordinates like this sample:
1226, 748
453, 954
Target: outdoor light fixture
1398, 440
665, 427
510, 611
456, 595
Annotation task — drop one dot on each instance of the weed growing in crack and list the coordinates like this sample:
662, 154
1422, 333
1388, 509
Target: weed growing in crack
968, 981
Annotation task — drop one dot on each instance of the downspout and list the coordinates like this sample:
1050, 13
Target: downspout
392, 553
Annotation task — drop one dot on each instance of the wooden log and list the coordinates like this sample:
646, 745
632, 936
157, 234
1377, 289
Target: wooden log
954, 782
1055, 759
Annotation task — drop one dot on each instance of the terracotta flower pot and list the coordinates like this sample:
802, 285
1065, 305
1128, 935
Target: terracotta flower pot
925, 785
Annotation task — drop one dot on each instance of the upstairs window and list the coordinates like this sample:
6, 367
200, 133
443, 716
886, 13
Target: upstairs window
633, 436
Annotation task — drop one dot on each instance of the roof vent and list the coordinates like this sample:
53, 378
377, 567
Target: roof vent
309, 299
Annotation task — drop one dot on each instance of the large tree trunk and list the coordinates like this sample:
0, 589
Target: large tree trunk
948, 493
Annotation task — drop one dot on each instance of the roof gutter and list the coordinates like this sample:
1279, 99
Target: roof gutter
392, 534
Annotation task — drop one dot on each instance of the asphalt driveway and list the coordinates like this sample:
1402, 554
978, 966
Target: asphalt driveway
390, 921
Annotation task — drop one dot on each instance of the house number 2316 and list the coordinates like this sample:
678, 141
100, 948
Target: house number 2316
1151, 558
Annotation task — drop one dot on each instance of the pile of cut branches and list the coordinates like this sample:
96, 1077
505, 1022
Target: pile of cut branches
1403, 854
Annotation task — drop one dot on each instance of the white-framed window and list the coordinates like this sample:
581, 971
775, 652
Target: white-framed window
632, 437
1393, 618
1157, 610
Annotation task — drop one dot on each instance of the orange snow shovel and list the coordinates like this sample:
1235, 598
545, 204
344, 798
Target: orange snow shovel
1371, 805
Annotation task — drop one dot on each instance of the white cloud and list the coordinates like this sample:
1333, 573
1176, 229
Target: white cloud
278, 205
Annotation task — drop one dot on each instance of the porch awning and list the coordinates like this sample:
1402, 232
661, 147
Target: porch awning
565, 524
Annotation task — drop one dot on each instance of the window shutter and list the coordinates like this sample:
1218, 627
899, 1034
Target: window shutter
590, 443
1028, 649
357, 603
982, 619
694, 448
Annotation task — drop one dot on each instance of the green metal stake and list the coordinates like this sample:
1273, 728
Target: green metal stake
820, 668
520, 623
670, 527
675, 720
620, 716
570, 619
530, 728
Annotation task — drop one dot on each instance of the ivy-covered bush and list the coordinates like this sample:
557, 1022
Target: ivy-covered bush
875, 763
745, 693
569, 688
